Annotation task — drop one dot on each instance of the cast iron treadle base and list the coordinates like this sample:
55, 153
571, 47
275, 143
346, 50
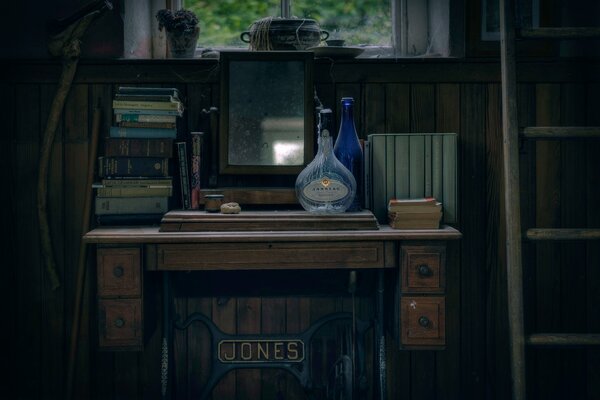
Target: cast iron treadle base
291, 352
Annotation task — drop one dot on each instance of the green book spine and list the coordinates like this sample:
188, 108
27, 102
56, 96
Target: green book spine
131, 205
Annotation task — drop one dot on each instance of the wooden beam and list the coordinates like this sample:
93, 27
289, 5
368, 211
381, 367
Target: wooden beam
559, 33
560, 132
562, 234
564, 339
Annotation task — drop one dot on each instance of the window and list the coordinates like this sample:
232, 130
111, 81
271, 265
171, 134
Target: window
383, 27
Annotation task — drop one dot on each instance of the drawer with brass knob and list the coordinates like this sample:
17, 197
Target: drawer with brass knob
120, 294
119, 272
423, 268
423, 321
120, 323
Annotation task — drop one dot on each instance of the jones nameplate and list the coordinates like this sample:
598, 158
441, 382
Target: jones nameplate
261, 351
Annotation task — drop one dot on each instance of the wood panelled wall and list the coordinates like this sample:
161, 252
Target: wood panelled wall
560, 185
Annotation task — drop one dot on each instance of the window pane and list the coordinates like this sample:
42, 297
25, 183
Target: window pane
222, 21
357, 21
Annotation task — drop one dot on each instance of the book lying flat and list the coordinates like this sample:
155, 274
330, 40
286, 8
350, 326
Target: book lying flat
138, 147
131, 205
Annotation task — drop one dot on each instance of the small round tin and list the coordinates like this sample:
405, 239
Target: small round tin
212, 202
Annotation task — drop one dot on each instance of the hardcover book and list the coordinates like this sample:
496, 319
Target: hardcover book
133, 166
134, 191
131, 205
148, 105
134, 124
140, 181
115, 147
147, 133
196, 164
119, 117
183, 175
148, 90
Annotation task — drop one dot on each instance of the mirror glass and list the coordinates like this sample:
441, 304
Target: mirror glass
264, 121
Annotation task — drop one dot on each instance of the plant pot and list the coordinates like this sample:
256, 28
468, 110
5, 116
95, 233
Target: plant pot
288, 34
182, 44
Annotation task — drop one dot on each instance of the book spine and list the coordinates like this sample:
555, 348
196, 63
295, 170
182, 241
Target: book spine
159, 125
125, 191
131, 205
183, 175
137, 111
417, 166
147, 105
145, 182
114, 147
164, 98
367, 175
133, 166
148, 90
196, 163
146, 133
145, 118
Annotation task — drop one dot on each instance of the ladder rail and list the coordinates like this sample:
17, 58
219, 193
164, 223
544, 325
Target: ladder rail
510, 134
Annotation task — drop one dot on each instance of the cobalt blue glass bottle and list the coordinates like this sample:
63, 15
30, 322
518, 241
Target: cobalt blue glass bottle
347, 149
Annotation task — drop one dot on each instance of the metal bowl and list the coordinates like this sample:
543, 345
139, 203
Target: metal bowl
289, 34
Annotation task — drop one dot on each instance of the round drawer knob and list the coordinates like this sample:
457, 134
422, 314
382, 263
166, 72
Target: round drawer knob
424, 270
119, 322
424, 321
118, 271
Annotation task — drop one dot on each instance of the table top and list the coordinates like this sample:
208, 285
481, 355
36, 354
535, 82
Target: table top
147, 234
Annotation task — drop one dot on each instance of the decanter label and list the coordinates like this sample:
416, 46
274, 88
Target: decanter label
325, 189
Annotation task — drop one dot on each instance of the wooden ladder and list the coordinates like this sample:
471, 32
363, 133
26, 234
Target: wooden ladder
512, 133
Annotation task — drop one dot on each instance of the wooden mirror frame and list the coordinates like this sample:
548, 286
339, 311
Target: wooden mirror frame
307, 58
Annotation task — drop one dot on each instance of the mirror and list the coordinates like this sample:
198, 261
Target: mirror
266, 122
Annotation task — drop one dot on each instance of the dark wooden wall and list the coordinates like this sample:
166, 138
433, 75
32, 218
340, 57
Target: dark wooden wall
407, 96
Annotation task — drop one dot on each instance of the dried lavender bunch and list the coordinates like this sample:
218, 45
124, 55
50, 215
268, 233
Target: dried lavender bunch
178, 21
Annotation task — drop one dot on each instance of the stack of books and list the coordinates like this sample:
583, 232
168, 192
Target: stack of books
423, 213
135, 171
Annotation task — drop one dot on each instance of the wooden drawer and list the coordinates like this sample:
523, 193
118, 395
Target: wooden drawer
119, 272
120, 324
423, 269
423, 321
246, 256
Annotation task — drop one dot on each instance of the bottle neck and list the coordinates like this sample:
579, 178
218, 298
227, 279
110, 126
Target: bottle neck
325, 143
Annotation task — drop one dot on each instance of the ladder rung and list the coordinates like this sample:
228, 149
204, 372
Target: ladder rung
562, 234
560, 132
564, 339
560, 33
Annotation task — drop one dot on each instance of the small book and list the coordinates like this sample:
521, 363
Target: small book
138, 147
159, 125
133, 166
146, 97
145, 133
399, 203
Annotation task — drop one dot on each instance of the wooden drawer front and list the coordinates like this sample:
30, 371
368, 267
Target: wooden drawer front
423, 269
120, 323
223, 256
119, 272
423, 321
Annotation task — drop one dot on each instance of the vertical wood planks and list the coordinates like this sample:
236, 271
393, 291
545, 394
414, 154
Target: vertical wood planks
29, 264
547, 254
224, 312
297, 320
447, 119
248, 322
472, 203
273, 321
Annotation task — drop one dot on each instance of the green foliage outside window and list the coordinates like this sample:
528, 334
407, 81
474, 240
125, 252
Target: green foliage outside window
359, 22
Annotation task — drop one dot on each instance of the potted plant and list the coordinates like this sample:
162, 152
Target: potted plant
182, 31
